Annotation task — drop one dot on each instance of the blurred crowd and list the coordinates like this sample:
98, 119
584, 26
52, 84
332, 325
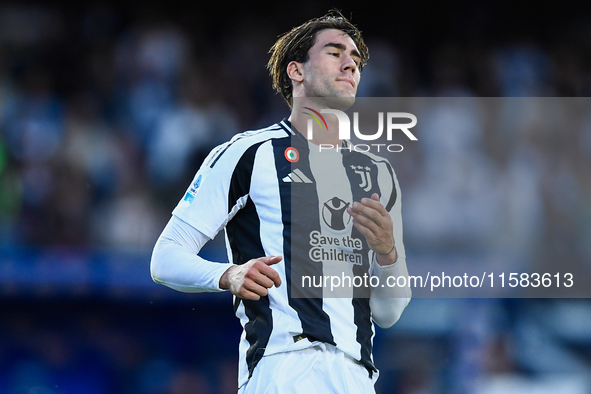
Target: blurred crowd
103, 123
105, 116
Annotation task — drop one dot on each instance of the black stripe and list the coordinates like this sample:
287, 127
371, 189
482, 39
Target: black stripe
244, 234
363, 322
244, 229
394, 194
245, 242
296, 200
361, 309
258, 330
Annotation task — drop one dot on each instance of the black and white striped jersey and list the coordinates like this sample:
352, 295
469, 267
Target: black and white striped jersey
275, 194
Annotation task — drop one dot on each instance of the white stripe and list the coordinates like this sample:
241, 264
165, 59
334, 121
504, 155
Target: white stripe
332, 181
264, 192
243, 345
288, 127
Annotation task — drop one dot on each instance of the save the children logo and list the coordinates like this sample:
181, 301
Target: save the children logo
335, 249
333, 214
391, 125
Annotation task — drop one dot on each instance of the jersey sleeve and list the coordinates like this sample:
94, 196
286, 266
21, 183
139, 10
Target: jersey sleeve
206, 203
221, 186
218, 191
205, 208
175, 261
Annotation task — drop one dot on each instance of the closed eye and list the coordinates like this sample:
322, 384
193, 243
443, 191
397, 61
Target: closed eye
354, 54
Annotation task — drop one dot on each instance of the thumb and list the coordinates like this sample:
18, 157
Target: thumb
270, 260
375, 197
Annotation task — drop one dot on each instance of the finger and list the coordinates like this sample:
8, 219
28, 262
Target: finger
268, 271
255, 287
247, 294
366, 223
270, 260
369, 235
367, 211
272, 275
373, 234
374, 202
246, 289
379, 243
261, 279
374, 230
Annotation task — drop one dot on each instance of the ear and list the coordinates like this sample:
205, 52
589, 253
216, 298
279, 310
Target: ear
295, 71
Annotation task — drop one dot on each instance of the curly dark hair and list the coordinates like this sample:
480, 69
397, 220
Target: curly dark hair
295, 44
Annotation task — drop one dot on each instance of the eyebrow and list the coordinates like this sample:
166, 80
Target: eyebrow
343, 48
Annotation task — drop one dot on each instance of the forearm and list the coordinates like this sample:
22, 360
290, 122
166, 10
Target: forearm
388, 302
175, 262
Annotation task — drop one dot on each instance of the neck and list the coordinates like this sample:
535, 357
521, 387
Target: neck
302, 114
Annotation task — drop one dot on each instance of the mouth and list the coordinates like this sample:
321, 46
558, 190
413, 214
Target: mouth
347, 80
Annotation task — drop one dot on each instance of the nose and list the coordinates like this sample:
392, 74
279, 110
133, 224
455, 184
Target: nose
349, 64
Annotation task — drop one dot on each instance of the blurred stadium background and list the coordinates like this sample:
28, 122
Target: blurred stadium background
108, 108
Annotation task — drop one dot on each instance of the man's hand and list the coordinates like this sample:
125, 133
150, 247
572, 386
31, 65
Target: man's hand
374, 222
252, 279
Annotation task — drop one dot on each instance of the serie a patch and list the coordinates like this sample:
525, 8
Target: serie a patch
190, 195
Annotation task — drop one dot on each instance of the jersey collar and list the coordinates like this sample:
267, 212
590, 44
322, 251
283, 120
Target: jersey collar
286, 125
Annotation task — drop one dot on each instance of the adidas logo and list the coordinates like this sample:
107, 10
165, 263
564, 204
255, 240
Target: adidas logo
297, 176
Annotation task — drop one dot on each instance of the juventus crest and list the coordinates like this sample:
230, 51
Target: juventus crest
365, 174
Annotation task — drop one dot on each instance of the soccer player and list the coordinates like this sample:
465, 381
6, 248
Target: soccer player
292, 215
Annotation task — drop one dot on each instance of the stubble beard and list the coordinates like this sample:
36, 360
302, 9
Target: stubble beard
330, 97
